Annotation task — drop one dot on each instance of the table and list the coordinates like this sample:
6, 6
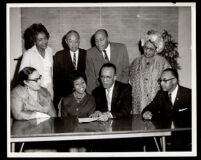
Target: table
60, 129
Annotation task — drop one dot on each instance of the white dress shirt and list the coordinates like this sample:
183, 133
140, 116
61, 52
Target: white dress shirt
72, 55
109, 98
174, 94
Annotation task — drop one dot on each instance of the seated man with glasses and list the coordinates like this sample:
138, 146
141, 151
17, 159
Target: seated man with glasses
28, 99
113, 98
170, 102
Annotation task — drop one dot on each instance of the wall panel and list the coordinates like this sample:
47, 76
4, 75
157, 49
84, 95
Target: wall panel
124, 24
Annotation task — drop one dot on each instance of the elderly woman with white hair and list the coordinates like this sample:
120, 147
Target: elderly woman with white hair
146, 70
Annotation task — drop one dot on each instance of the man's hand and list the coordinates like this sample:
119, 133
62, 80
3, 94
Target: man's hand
96, 114
102, 116
147, 115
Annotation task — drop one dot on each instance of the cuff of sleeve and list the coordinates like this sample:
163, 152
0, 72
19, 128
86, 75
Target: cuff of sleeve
109, 115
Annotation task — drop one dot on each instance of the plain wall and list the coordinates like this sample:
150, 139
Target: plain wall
184, 46
124, 24
15, 43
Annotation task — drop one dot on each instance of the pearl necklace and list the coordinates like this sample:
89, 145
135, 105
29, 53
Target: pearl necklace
78, 97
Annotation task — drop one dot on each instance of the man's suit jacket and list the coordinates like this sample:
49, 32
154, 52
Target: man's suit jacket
121, 99
95, 60
62, 68
162, 108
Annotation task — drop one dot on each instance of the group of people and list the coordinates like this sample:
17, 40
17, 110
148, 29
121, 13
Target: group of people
98, 82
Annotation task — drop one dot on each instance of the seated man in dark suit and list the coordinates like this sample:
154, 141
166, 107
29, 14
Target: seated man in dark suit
113, 98
173, 102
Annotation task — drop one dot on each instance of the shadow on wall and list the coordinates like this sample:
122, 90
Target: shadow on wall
63, 42
140, 48
93, 41
14, 81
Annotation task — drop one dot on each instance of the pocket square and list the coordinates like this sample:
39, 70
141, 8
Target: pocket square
183, 109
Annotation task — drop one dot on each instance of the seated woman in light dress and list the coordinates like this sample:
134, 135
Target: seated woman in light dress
28, 99
38, 54
79, 103
145, 71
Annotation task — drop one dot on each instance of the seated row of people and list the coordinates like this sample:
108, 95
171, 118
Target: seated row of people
112, 99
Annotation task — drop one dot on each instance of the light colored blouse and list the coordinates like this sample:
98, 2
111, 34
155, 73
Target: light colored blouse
24, 106
144, 80
32, 58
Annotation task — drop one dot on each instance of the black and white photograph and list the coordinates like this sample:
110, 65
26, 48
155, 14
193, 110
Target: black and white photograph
101, 79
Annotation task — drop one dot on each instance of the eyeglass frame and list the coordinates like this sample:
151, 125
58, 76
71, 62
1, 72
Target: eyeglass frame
165, 80
150, 49
36, 79
106, 77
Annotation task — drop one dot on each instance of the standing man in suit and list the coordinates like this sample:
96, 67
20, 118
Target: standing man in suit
173, 102
65, 62
104, 52
113, 98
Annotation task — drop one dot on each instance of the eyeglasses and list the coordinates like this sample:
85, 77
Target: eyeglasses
35, 80
165, 80
106, 77
150, 49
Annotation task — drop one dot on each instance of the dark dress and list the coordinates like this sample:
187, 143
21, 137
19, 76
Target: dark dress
70, 107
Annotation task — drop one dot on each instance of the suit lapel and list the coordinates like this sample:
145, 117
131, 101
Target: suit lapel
113, 57
177, 97
69, 59
99, 56
114, 95
104, 102
80, 57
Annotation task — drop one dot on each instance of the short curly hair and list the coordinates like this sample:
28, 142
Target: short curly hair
74, 75
31, 32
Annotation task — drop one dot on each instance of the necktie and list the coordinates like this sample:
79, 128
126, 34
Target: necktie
170, 97
105, 56
74, 60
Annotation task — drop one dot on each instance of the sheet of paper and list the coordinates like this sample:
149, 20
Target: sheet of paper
41, 117
84, 120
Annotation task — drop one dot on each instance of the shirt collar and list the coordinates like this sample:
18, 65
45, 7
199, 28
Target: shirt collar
74, 52
175, 90
111, 88
108, 48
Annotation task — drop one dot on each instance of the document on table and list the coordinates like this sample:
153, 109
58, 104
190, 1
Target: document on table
41, 117
84, 120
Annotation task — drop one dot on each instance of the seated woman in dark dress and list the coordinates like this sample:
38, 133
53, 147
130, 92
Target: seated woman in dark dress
79, 103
